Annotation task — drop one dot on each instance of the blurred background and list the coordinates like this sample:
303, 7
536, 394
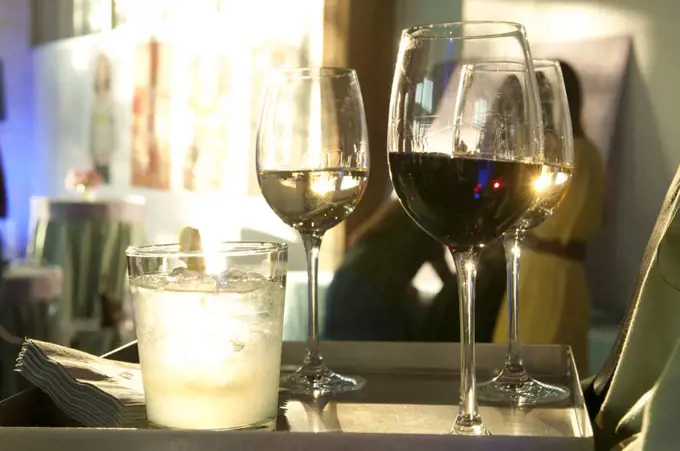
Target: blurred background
160, 99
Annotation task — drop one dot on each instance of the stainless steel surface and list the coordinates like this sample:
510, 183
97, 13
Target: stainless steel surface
426, 419
412, 388
408, 403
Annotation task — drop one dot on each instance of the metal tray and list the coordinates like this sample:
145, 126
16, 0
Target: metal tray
409, 402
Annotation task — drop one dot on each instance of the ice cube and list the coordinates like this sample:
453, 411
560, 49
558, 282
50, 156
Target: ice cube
182, 274
152, 281
183, 279
208, 284
239, 281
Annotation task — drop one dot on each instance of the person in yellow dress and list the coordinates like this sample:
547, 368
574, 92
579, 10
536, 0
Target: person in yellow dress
554, 302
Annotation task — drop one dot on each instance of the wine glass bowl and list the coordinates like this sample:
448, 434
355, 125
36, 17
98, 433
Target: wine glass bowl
558, 145
313, 201
468, 188
463, 167
312, 166
464, 202
514, 385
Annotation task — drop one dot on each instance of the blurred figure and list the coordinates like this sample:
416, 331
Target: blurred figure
553, 291
102, 133
371, 296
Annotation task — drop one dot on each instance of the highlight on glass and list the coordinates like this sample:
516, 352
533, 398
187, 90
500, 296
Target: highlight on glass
463, 171
312, 166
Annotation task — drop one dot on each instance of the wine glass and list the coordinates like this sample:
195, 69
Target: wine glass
463, 172
312, 167
513, 384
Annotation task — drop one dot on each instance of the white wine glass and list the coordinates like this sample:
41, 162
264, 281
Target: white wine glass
312, 167
462, 172
514, 385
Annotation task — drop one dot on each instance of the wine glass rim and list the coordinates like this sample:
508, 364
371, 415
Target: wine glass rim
453, 30
545, 63
512, 66
315, 72
225, 248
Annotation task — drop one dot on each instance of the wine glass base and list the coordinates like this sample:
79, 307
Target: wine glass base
521, 391
466, 425
320, 382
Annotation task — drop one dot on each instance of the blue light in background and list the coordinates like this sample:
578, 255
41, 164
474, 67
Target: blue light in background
24, 168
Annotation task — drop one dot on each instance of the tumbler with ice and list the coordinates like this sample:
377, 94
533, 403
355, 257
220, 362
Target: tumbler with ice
210, 334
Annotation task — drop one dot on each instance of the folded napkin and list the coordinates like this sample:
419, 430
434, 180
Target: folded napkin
94, 391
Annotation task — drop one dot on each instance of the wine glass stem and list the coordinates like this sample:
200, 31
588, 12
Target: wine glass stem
511, 243
466, 268
312, 245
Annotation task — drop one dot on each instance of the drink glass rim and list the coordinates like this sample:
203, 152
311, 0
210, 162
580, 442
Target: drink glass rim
456, 30
226, 248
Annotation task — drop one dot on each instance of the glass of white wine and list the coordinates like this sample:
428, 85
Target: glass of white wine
514, 385
312, 166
